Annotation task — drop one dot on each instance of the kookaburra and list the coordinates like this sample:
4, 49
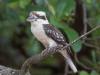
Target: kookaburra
48, 35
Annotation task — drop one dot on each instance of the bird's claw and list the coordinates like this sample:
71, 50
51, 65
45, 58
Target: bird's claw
43, 52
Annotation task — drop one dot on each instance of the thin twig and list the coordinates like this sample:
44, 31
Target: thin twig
81, 37
98, 48
66, 69
96, 38
38, 57
93, 46
76, 58
90, 45
84, 16
90, 25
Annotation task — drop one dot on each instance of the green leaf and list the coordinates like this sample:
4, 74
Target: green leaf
22, 18
88, 61
83, 73
70, 6
95, 24
9, 1
60, 8
14, 4
51, 8
39, 2
88, 1
31, 7
55, 23
64, 7
93, 56
24, 3
94, 72
53, 2
72, 35
32, 46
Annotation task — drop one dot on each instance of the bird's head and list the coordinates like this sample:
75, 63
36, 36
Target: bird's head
36, 16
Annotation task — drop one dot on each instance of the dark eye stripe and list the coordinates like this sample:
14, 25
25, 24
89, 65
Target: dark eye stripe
41, 17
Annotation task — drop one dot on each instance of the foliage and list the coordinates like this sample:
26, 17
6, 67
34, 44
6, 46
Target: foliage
17, 42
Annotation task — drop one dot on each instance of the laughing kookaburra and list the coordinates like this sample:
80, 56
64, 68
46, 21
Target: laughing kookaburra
48, 35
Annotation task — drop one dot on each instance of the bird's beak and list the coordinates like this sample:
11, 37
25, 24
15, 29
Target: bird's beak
31, 19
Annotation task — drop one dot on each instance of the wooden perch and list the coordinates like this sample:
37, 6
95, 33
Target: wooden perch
8, 71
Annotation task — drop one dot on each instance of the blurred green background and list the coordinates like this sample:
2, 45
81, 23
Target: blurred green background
17, 42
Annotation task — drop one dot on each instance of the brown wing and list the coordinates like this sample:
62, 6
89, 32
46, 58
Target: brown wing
55, 34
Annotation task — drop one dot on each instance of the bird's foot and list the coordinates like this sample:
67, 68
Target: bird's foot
59, 47
43, 52
48, 49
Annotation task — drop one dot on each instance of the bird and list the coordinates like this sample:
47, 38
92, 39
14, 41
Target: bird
48, 35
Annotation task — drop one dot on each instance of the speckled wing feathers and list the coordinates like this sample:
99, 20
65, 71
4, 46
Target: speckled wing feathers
55, 34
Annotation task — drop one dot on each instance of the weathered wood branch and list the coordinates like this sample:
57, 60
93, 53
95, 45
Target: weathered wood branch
8, 71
